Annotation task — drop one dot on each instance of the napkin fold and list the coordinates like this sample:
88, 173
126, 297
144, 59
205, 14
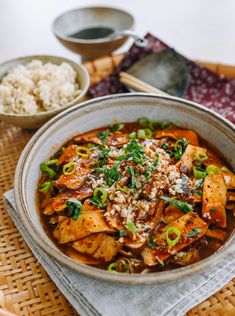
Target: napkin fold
91, 297
205, 87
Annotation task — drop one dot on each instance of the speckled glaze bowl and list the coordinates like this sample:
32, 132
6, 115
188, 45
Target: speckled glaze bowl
94, 114
33, 121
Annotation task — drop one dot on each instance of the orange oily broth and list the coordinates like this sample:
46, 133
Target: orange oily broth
206, 246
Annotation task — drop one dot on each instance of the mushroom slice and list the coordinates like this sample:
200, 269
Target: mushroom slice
86, 224
117, 138
89, 244
214, 200
191, 228
68, 155
107, 250
81, 257
191, 136
58, 203
186, 162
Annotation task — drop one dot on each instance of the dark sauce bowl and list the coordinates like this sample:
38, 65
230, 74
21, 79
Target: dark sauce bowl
85, 30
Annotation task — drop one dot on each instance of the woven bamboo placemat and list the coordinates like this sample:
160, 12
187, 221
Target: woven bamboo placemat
25, 288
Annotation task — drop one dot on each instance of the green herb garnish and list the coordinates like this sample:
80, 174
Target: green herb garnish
172, 231
199, 173
117, 127
194, 232
103, 136
183, 206
198, 192
99, 197
131, 227
48, 170
179, 148
45, 187
111, 175
132, 183
75, 207
165, 145
151, 242
122, 232
211, 169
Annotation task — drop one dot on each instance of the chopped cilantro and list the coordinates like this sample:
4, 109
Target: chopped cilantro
165, 145
148, 172
111, 175
103, 136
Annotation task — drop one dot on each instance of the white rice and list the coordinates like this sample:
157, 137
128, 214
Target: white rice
37, 87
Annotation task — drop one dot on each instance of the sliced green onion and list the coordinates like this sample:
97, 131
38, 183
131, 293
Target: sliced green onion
183, 206
122, 233
144, 122
99, 197
179, 141
75, 207
148, 133
131, 227
132, 135
90, 145
51, 162
82, 151
111, 267
211, 169
47, 170
141, 133
225, 169
160, 261
103, 196
117, 127
69, 168
199, 173
122, 189
200, 155
175, 231
45, 187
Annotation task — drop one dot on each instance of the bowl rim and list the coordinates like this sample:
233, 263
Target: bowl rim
89, 271
72, 63
90, 41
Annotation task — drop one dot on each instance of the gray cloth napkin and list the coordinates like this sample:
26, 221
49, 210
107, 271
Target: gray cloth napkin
91, 297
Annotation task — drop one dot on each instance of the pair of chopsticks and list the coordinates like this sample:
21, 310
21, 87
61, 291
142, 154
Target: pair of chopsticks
138, 85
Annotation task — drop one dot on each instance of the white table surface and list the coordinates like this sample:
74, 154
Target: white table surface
200, 29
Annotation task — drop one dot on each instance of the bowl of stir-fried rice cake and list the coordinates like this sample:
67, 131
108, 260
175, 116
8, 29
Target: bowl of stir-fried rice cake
131, 188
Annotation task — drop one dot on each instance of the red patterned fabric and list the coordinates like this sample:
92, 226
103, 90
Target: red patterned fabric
205, 87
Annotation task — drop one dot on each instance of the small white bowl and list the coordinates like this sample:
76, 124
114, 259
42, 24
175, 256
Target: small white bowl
33, 121
102, 112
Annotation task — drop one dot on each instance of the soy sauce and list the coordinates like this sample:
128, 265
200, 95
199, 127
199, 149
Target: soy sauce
92, 33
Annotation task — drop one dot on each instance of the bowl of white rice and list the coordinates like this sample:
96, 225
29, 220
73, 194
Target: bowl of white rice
35, 88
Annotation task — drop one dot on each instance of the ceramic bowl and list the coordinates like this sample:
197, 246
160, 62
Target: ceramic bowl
33, 121
79, 19
94, 114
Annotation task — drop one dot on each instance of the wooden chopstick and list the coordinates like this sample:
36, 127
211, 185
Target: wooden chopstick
137, 84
